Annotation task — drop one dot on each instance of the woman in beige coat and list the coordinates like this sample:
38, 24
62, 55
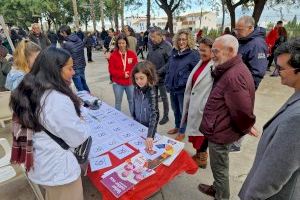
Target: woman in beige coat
197, 90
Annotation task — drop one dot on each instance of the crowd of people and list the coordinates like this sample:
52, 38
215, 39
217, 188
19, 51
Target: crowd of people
212, 94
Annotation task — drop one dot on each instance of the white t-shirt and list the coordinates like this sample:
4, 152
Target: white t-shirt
52, 165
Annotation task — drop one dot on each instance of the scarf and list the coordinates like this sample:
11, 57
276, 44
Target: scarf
22, 150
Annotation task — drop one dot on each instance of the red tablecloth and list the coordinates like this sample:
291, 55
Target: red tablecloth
150, 185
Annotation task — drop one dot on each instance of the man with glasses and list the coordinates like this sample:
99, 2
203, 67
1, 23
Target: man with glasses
253, 49
275, 173
228, 113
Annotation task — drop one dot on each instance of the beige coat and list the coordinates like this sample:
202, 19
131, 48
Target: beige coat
195, 99
132, 42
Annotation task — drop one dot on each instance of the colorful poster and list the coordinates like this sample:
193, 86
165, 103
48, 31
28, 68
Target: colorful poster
122, 178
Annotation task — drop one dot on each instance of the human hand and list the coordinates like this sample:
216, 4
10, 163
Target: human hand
126, 74
254, 132
149, 144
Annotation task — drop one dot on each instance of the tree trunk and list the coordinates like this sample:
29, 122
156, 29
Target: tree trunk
93, 14
223, 16
49, 23
148, 14
76, 18
258, 9
116, 18
170, 22
102, 13
122, 13
231, 11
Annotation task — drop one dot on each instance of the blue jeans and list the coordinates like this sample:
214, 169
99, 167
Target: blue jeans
119, 90
79, 80
177, 107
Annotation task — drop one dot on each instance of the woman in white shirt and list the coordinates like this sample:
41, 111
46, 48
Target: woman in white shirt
45, 100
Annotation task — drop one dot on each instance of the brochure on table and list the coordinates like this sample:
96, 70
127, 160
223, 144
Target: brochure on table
122, 178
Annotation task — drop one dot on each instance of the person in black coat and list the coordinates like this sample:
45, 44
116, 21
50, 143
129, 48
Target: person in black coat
89, 46
73, 44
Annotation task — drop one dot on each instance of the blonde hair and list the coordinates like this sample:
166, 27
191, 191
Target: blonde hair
191, 41
23, 51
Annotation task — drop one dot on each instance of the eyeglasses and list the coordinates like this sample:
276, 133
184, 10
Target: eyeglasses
182, 39
215, 51
280, 68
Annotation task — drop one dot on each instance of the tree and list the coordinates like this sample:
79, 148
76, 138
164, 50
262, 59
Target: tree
169, 10
148, 13
257, 11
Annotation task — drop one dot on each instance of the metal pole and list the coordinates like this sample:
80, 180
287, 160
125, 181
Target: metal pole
2, 22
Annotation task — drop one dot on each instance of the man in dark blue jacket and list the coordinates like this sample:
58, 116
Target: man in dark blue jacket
74, 45
253, 47
159, 54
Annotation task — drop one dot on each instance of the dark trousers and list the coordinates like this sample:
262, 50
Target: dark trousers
89, 53
163, 94
204, 146
177, 107
140, 51
219, 162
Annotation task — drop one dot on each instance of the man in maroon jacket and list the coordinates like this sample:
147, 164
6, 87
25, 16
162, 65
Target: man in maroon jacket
228, 114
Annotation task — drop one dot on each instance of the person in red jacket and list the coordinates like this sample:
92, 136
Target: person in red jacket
271, 38
121, 63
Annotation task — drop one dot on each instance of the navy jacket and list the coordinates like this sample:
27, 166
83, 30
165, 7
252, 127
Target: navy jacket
145, 108
254, 53
74, 45
179, 68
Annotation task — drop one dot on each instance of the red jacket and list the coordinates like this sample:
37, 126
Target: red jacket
116, 67
271, 38
228, 113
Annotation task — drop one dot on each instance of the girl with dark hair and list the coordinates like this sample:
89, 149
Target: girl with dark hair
45, 101
121, 62
145, 99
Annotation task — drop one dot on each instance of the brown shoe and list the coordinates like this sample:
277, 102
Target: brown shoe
207, 189
173, 131
180, 137
201, 159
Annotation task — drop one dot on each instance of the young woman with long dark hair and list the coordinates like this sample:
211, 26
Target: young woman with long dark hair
44, 100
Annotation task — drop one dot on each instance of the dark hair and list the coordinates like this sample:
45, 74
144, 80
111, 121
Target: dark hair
112, 30
122, 36
45, 75
207, 41
156, 30
279, 22
66, 29
227, 30
291, 47
147, 68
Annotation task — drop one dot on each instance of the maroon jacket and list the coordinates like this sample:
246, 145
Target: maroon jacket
228, 114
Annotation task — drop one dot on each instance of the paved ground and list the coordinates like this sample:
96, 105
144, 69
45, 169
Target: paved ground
270, 96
